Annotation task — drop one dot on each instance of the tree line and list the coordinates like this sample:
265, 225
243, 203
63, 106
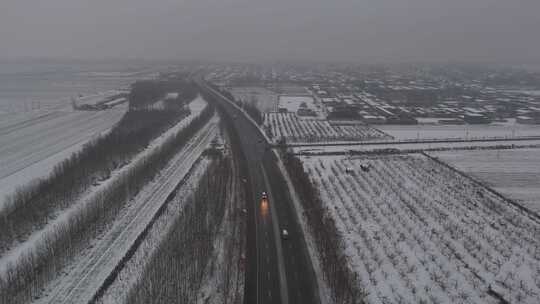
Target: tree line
343, 282
175, 272
32, 206
145, 93
39, 265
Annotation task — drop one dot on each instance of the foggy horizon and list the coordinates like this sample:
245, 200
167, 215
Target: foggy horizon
492, 31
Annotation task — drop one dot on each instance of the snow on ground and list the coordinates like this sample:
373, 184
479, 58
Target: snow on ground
229, 245
130, 273
494, 130
514, 173
89, 269
31, 144
416, 231
296, 130
365, 147
196, 106
266, 100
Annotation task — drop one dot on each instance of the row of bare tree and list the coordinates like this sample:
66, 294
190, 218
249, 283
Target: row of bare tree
175, 272
51, 253
342, 281
145, 93
32, 206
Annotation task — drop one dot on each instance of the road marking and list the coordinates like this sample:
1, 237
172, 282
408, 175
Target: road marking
268, 274
267, 259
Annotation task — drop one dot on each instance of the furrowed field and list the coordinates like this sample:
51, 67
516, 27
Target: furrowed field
298, 130
512, 172
416, 231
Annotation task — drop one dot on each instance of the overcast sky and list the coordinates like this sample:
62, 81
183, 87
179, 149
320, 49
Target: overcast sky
505, 31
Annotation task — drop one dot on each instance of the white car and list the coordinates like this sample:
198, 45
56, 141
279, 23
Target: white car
264, 195
284, 234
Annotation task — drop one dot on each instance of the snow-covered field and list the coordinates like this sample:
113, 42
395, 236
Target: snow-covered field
514, 173
298, 130
91, 263
31, 144
416, 231
265, 100
494, 130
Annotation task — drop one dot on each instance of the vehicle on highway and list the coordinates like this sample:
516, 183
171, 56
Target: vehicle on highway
264, 196
285, 234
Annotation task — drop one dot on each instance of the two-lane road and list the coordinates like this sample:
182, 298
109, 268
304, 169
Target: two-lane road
278, 271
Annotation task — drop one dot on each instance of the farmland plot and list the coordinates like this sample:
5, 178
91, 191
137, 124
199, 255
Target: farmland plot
32, 144
514, 173
296, 130
416, 231
494, 130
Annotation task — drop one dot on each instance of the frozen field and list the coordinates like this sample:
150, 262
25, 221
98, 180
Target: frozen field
514, 173
501, 130
266, 100
298, 130
416, 231
32, 143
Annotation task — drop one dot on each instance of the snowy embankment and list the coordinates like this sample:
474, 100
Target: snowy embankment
416, 231
31, 145
514, 173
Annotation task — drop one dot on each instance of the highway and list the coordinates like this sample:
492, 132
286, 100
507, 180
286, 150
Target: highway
277, 271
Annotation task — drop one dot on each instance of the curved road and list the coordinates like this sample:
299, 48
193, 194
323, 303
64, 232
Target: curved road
277, 271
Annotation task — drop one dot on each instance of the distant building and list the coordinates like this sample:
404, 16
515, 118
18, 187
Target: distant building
401, 120
283, 110
305, 112
473, 118
344, 112
172, 96
372, 119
